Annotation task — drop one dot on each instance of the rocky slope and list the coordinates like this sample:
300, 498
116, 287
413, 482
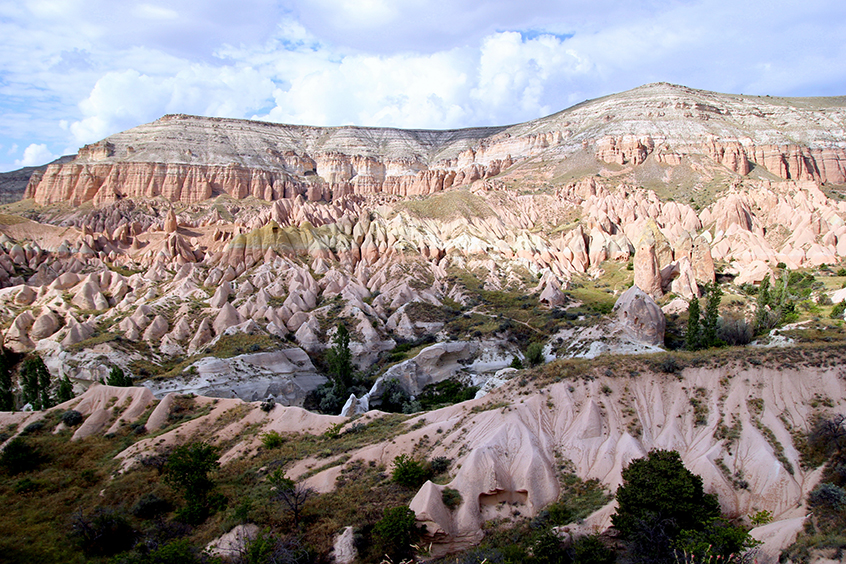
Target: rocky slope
218, 257
733, 422
188, 159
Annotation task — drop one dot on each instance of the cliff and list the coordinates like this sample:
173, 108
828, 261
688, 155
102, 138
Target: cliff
188, 159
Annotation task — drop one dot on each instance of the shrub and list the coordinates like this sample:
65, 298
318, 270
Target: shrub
516, 363
272, 439
268, 404
187, 469
669, 365
33, 427
71, 418
396, 532
762, 517
590, 550
150, 505
659, 485
446, 392
292, 494
103, 533
451, 498
19, 456
409, 472
838, 310
827, 496
394, 397
734, 331
534, 354
439, 465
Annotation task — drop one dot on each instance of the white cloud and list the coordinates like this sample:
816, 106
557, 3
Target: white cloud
74, 71
35, 155
153, 12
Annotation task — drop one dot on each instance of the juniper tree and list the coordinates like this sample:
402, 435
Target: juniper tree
7, 395
35, 382
693, 337
712, 316
339, 358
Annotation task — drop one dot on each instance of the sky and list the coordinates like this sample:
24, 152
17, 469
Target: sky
75, 71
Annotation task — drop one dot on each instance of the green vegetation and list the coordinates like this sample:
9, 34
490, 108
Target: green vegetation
451, 498
343, 379
7, 395
118, 378
35, 383
293, 495
663, 511
534, 354
187, 470
824, 530
409, 472
445, 392
396, 532
702, 332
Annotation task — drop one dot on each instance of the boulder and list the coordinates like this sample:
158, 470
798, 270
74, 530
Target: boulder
640, 317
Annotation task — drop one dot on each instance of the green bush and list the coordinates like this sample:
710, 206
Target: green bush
451, 498
660, 485
71, 418
439, 465
396, 532
838, 309
187, 469
409, 472
446, 392
272, 439
19, 456
534, 354
103, 533
827, 496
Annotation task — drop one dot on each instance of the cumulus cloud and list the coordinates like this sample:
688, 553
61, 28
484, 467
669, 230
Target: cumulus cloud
35, 155
99, 67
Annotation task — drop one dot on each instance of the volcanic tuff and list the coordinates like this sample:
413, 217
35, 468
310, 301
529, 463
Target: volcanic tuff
189, 159
218, 256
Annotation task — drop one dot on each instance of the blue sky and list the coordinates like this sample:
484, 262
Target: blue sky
75, 71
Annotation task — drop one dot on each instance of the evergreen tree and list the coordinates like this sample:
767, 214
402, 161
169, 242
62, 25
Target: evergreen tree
65, 390
761, 307
7, 395
339, 359
712, 316
694, 332
35, 382
118, 378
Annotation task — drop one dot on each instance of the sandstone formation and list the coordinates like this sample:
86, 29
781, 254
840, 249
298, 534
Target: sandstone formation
189, 159
640, 317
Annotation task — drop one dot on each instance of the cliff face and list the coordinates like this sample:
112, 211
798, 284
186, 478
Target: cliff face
189, 159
